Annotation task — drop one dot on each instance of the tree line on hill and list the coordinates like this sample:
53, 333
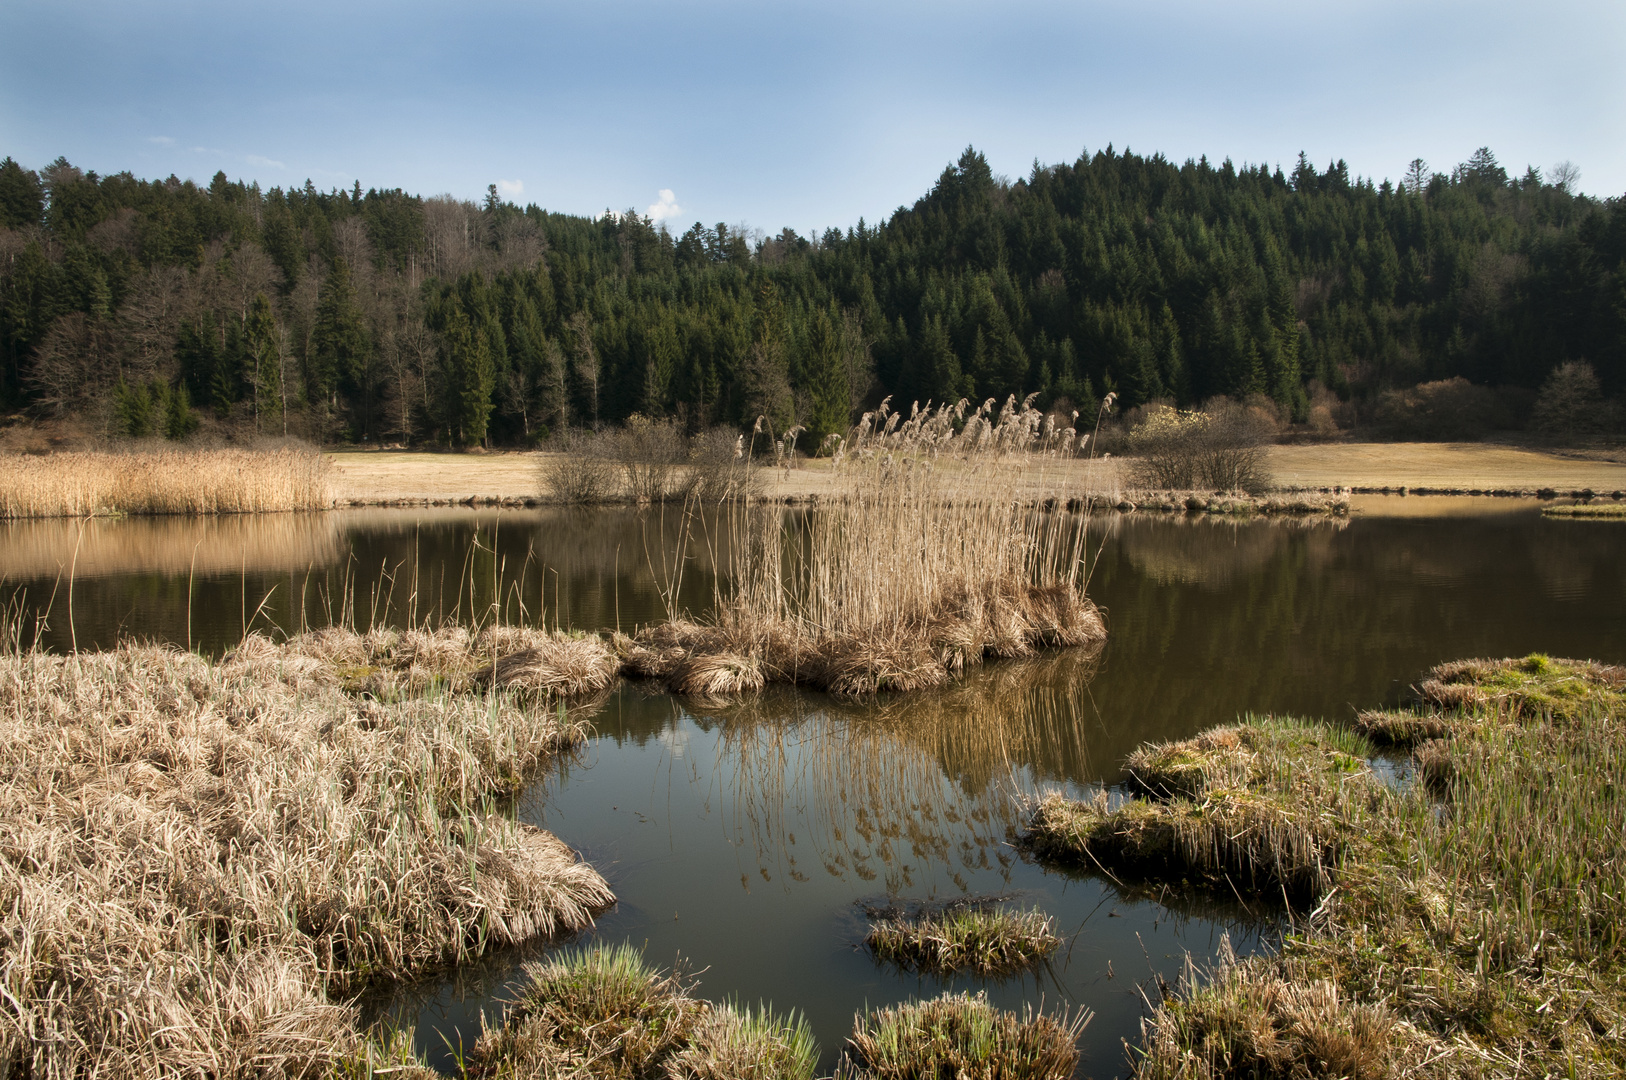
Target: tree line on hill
151, 307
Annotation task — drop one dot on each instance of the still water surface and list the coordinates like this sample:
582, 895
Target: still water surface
746, 840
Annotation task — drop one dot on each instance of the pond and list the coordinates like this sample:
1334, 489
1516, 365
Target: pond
744, 842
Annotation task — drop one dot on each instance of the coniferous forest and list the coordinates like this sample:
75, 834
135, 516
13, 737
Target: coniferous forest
149, 308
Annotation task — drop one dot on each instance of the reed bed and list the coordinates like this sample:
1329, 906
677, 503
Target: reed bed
168, 481
925, 564
200, 861
1470, 925
979, 937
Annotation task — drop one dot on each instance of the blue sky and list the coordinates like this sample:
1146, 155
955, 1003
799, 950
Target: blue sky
775, 114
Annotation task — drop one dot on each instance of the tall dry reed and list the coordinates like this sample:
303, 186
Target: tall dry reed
198, 860
167, 481
924, 564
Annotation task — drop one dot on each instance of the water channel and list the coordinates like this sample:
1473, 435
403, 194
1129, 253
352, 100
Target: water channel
744, 842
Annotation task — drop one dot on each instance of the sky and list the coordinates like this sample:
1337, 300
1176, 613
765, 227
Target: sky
771, 114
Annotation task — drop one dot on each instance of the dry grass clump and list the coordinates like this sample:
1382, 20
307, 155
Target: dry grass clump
386, 663
599, 1012
170, 481
1478, 924
194, 856
968, 936
964, 1037
739, 1043
604, 1012
924, 565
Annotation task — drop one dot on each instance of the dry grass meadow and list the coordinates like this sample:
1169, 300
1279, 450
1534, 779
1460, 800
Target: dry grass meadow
388, 476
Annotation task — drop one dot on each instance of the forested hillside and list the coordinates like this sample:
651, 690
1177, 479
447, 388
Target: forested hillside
147, 307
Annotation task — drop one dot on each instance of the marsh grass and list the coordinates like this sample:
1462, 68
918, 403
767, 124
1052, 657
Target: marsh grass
979, 937
963, 1036
200, 861
169, 481
1469, 925
925, 564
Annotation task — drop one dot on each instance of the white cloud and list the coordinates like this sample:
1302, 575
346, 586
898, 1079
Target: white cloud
511, 187
666, 208
161, 140
264, 162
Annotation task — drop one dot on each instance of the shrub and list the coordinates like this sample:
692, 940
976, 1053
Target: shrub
581, 472
1447, 410
1571, 405
1218, 449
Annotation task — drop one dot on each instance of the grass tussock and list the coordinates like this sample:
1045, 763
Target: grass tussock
923, 566
198, 859
605, 1012
963, 1036
1473, 924
1254, 806
978, 937
388, 664
170, 481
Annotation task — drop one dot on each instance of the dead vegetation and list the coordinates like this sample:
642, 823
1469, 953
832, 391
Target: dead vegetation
200, 861
167, 481
1467, 925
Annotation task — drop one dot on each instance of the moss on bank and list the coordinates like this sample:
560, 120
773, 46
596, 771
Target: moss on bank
1473, 925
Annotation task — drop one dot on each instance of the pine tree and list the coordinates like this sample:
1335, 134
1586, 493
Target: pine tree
339, 342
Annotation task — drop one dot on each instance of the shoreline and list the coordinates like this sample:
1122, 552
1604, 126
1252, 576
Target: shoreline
512, 478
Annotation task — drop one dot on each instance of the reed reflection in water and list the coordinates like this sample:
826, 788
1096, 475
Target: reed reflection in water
746, 837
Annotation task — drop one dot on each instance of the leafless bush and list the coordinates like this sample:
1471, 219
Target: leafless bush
582, 471
1571, 406
1221, 448
650, 455
648, 461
